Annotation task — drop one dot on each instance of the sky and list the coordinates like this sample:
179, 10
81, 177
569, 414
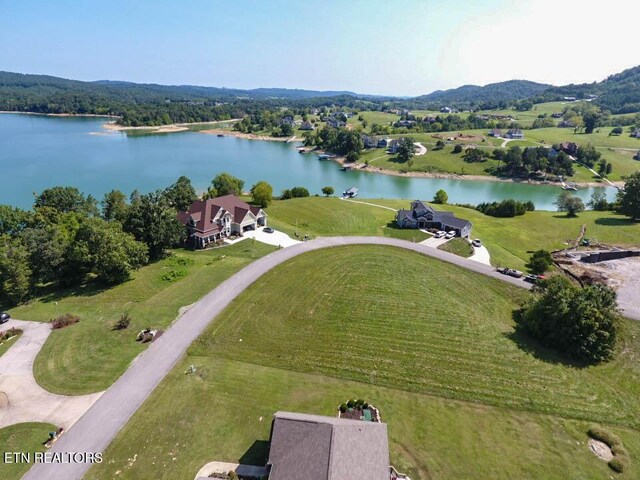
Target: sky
385, 47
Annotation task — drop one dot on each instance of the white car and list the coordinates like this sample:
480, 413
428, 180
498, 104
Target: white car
440, 234
476, 243
450, 235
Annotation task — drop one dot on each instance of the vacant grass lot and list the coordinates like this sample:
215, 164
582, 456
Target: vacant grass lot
462, 396
23, 437
457, 246
510, 240
89, 356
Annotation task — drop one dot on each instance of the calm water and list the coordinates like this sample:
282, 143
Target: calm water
37, 152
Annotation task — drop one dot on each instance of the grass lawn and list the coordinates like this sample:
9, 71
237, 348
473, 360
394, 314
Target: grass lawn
89, 356
457, 246
327, 217
6, 344
23, 437
510, 240
462, 395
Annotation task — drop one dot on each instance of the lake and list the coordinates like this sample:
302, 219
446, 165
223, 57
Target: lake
37, 152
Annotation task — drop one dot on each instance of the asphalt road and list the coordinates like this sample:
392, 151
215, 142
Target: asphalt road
95, 430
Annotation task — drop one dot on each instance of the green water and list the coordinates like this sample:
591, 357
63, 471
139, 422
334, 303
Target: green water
37, 152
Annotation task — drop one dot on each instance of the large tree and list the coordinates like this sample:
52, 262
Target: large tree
262, 194
181, 194
570, 204
225, 184
153, 221
66, 199
13, 220
15, 272
114, 206
629, 198
406, 150
579, 322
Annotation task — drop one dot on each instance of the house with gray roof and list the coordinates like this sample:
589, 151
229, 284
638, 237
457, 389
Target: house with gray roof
314, 447
422, 215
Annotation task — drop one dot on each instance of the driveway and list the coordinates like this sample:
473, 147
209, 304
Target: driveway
434, 242
28, 401
481, 254
99, 425
421, 149
277, 239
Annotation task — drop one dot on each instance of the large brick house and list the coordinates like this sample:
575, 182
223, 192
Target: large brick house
210, 220
422, 215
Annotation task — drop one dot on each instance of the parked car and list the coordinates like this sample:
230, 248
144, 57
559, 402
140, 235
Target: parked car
4, 317
450, 235
531, 278
440, 234
476, 243
267, 230
510, 271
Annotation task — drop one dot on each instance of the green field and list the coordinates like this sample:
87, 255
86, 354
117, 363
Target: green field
457, 246
463, 395
23, 437
510, 241
89, 356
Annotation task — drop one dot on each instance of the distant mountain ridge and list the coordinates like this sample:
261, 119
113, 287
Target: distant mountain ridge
508, 91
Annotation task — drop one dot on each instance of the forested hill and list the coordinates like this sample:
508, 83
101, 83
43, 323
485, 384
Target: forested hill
492, 94
619, 93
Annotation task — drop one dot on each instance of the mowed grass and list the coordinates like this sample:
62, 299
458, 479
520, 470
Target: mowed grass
510, 241
458, 392
89, 356
6, 344
457, 246
332, 216
22, 437
390, 317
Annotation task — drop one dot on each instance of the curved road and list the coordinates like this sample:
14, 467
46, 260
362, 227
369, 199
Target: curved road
99, 425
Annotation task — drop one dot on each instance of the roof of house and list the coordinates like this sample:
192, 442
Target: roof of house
420, 209
203, 212
315, 447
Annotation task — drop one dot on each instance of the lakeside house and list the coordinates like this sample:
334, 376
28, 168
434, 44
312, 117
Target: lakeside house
446, 110
422, 215
307, 125
570, 148
288, 120
515, 133
335, 123
556, 115
393, 145
495, 133
208, 221
566, 124
315, 447
405, 123
636, 133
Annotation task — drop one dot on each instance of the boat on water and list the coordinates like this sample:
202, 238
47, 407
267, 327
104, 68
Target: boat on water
325, 156
350, 193
221, 135
346, 168
569, 187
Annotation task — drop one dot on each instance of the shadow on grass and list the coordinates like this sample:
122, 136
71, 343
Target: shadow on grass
257, 454
615, 221
534, 348
54, 293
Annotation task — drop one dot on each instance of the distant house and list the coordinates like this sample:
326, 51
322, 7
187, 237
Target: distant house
430, 119
393, 146
306, 125
556, 115
370, 142
515, 133
566, 124
569, 99
335, 123
422, 215
210, 220
384, 142
552, 154
405, 123
445, 110
636, 133
496, 133
570, 148
288, 120
637, 156
314, 447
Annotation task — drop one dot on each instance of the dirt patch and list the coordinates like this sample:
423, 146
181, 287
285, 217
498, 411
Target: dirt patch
600, 449
4, 401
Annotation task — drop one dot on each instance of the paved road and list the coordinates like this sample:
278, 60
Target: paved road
99, 425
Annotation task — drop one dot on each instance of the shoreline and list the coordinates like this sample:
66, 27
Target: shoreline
91, 115
249, 136
171, 128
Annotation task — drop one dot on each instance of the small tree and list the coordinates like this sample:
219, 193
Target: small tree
262, 194
457, 148
327, 191
405, 149
123, 322
440, 145
629, 198
540, 261
616, 131
352, 157
299, 192
570, 204
441, 197
598, 201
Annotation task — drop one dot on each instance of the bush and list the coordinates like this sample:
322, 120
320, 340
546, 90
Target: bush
359, 403
233, 475
539, 262
457, 148
620, 459
343, 408
64, 321
173, 275
351, 403
7, 334
441, 197
506, 208
123, 323
604, 435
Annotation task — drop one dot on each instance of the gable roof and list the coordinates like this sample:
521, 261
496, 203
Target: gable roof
314, 447
203, 212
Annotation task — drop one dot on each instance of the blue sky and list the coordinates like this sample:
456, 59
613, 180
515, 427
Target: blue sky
399, 47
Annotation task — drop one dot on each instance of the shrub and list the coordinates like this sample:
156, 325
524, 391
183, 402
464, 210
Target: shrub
64, 321
233, 475
351, 403
604, 435
457, 148
506, 208
123, 323
616, 465
343, 408
441, 197
173, 275
365, 405
12, 332
359, 403
620, 459
539, 262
